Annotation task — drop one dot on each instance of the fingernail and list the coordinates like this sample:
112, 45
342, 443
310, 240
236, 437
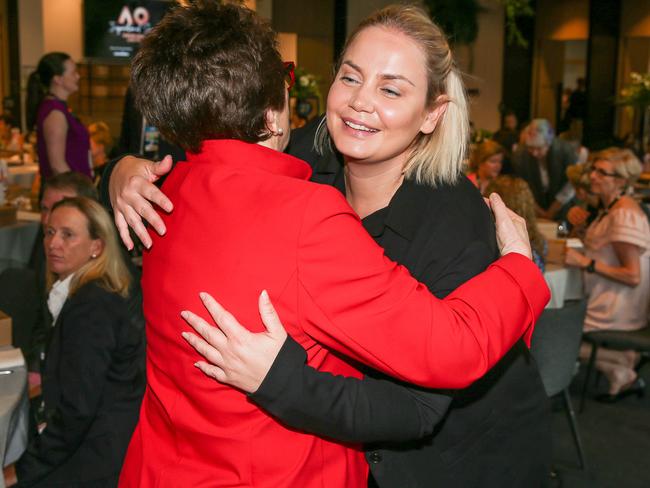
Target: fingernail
185, 314
203, 295
185, 335
196, 365
264, 295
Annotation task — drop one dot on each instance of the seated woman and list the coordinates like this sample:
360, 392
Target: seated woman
616, 265
485, 164
517, 196
583, 208
246, 217
93, 377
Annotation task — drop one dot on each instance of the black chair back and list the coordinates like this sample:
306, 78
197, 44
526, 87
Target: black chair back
556, 343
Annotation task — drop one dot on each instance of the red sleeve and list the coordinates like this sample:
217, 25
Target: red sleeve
355, 300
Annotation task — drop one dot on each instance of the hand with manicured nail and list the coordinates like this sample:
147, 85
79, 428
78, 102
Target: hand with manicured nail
234, 355
132, 191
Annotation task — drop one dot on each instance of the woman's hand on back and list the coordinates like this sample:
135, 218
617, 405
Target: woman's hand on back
512, 235
235, 355
131, 190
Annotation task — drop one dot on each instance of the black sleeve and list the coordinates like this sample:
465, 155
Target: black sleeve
88, 338
104, 197
368, 410
343, 408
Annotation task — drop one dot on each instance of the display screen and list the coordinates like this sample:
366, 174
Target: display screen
113, 29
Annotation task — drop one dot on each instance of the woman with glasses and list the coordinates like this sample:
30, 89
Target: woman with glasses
616, 265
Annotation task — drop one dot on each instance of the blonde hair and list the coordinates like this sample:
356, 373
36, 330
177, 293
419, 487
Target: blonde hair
108, 269
517, 196
626, 164
437, 157
484, 151
578, 175
100, 133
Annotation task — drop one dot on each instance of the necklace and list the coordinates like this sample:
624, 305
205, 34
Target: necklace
609, 207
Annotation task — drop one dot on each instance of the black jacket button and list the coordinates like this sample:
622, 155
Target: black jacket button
375, 457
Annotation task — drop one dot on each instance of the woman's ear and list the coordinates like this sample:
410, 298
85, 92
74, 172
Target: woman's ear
272, 121
96, 248
434, 115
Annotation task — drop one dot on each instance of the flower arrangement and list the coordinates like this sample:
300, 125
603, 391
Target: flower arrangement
637, 92
306, 85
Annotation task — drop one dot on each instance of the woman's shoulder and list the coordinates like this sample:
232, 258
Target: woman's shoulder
92, 292
451, 200
453, 212
627, 210
51, 104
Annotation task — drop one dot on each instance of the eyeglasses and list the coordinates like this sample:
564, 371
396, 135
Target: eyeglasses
289, 74
602, 172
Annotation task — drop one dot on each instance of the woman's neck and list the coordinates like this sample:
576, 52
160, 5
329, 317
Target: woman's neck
369, 188
59, 92
610, 198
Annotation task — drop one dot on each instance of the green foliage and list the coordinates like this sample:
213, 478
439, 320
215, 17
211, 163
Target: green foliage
637, 92
514, 9
306, 85
459, 18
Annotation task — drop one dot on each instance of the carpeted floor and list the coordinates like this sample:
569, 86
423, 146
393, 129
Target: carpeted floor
616, 439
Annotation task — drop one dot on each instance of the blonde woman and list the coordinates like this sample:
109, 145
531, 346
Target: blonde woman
397, 116
93, 377
616, 265
485, 164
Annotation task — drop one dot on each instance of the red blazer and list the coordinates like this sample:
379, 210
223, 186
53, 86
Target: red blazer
247, 219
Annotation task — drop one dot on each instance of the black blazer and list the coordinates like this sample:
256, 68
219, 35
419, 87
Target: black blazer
93, 381
560, 155
494, 433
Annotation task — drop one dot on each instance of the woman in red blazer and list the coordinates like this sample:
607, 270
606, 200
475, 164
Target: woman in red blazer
247, 217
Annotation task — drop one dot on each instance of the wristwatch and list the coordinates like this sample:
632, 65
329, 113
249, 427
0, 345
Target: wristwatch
591, 267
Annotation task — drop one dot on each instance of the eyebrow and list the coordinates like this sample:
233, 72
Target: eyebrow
385, 76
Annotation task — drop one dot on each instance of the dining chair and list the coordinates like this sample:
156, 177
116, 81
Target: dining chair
19, 298
555, 345
618, 340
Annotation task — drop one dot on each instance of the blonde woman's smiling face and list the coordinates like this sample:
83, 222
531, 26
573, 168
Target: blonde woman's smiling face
376, 106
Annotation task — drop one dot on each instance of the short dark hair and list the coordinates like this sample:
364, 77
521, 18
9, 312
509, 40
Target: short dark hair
209, 71
71, 180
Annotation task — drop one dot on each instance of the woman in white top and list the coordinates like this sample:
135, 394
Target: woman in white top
617, 265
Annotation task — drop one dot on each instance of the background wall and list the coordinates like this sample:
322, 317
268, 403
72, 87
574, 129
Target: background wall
482, 64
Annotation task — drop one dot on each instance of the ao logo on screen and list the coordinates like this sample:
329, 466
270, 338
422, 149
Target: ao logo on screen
139, 16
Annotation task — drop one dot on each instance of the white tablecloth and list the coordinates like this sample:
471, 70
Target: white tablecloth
16, 243
565, 284
14, 411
